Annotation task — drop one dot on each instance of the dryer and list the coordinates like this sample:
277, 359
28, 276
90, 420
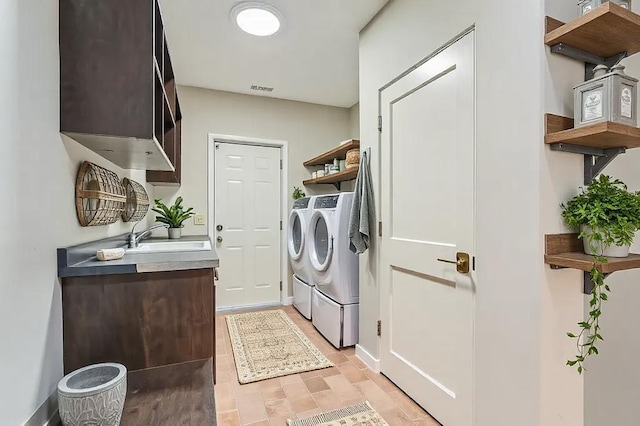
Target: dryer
334, 270
297, 242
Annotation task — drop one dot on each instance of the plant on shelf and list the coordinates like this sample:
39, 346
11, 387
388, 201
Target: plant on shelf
173, 216
298, 193
607, 216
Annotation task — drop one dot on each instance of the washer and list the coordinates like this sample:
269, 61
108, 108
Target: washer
335, 270
297, 242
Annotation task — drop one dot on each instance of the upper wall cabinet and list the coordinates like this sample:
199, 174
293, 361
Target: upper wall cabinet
117, 86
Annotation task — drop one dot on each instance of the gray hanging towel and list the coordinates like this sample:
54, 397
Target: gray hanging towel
363, 215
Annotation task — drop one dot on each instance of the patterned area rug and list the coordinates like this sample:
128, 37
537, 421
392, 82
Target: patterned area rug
268, 344
358, 415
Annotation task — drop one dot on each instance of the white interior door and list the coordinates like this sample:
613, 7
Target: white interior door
427, 196
247, 220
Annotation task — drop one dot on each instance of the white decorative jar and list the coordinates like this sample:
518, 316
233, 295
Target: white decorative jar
611, 251
93, 395
586, 6
609, 96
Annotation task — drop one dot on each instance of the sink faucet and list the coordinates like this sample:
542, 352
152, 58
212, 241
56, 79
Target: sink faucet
134, 239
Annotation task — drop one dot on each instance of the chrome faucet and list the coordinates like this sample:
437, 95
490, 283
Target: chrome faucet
134, 239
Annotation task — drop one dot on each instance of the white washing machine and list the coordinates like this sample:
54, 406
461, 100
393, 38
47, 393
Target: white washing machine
297, 242
335, 270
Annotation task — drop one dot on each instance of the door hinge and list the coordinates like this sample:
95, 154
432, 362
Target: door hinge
280, 164
473, 263
379, 123
379, 328
281, 225
280, 285
379, 229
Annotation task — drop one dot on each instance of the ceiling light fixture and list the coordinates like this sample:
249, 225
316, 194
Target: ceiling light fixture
257, 18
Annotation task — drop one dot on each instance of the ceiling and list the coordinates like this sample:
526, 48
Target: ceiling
313, 58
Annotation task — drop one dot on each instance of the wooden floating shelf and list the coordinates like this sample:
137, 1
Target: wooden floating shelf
342, 176
600, 135
605, 31
339, 152
566, 251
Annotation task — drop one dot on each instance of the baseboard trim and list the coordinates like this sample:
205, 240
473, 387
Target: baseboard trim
54, 420
247, 307
287, 301
47, 414
368, 359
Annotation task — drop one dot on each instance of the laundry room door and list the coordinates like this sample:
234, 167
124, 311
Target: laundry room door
247, 204
427, 208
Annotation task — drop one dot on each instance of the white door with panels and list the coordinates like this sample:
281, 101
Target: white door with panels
428, 241
247, 224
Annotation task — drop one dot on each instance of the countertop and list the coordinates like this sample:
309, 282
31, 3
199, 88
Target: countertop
80, 260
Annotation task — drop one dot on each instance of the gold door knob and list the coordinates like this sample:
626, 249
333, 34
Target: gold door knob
461, 262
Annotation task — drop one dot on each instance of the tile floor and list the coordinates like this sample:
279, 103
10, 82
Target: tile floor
272, 402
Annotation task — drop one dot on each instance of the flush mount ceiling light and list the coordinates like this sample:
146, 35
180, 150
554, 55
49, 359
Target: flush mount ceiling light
257, 18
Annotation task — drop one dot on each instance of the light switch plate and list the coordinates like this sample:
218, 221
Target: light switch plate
199, 219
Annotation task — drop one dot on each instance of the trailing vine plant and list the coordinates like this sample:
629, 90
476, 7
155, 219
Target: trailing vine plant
589, 333
606, 214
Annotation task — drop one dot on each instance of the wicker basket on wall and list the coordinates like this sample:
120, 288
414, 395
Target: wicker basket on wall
137, 204
100, 197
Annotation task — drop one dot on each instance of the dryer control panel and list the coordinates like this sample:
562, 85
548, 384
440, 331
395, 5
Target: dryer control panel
301, 203
328, 202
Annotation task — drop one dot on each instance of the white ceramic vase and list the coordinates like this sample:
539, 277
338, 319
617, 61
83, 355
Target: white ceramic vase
611, 251
175, 233
93, 395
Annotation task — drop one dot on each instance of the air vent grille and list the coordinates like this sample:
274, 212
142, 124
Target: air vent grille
261, 88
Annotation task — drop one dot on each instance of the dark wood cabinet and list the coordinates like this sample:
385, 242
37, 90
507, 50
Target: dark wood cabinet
140, 320
118, 93
179, 394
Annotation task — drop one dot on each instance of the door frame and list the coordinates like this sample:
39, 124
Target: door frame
212, 139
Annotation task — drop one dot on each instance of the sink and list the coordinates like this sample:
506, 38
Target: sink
170, 246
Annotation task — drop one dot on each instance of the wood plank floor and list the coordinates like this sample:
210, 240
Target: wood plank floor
272, 402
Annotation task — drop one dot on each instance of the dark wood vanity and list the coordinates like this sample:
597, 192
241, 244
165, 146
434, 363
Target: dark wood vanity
155, 314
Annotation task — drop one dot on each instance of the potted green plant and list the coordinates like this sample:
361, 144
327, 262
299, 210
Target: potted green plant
173, 216
607, 215
298, 193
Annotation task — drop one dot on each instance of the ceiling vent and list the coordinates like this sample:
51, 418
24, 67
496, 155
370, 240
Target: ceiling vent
261, 88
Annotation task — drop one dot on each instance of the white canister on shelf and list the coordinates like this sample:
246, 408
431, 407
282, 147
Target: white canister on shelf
586, 6
609, 96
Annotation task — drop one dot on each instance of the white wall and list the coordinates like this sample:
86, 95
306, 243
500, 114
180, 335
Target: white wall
354, 121
309, 130
521, 314
612, 382
562, 300
37, 187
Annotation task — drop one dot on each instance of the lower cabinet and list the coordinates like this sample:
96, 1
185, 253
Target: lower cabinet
139, 320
